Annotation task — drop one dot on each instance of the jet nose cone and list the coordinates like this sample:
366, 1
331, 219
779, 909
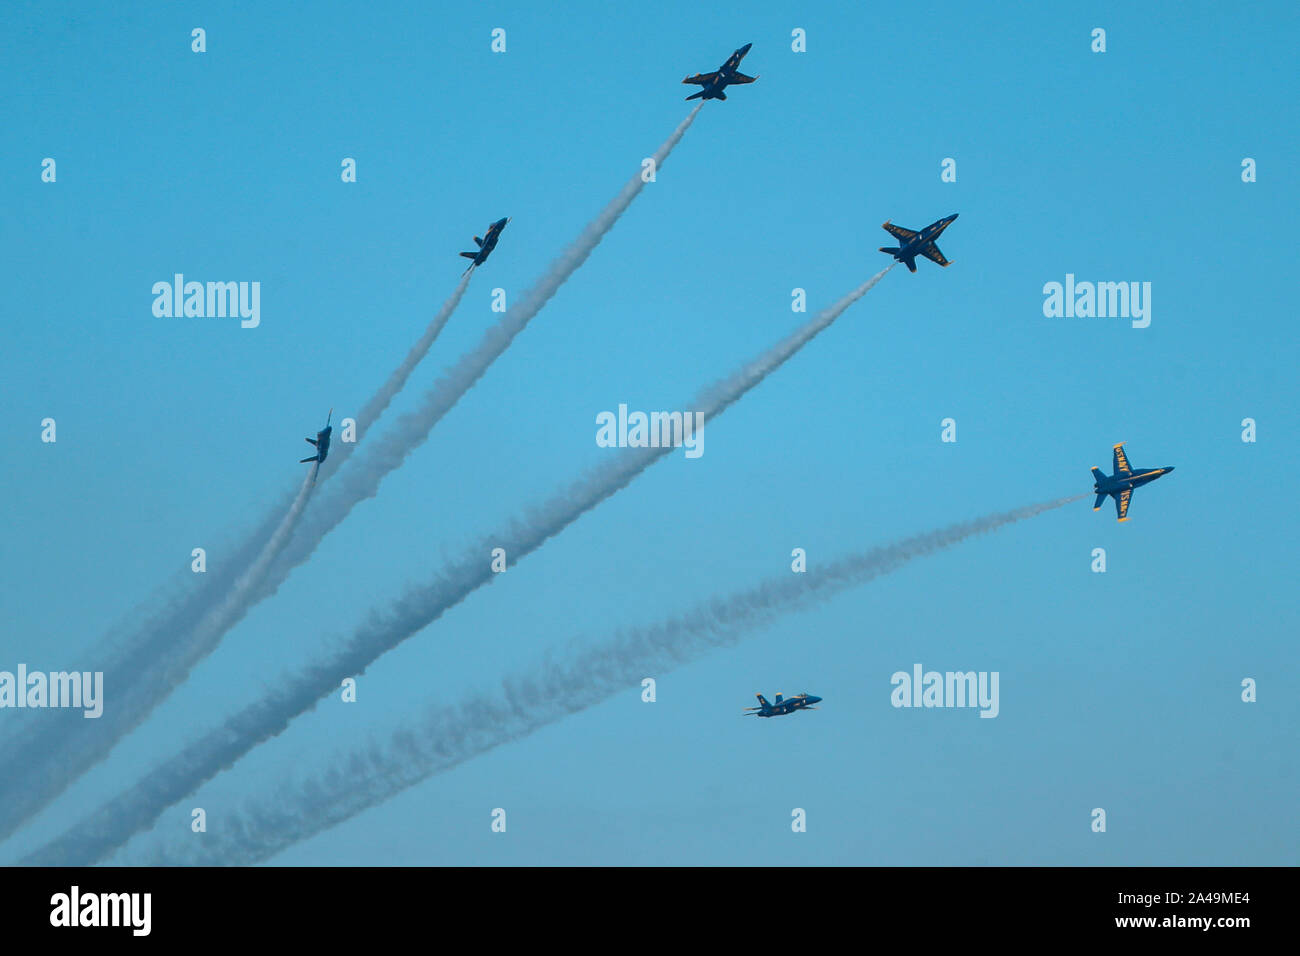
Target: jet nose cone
745, 48
1169, 468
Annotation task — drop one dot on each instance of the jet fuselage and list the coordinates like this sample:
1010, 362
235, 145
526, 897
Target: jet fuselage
486, 244
728, 73
928, 234
783, 705
321, 441
1114, 484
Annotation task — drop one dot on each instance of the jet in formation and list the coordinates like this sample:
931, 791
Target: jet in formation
1121, 484
486, 244
782, 705
917, 243
714, 83
321, 441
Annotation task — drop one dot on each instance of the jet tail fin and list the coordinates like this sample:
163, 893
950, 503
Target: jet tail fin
310, 441
1098, 474
910, 262
695, 96
1101, 499
304, 461
890, 250
470, 255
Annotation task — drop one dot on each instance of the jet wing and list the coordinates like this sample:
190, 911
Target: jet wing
701, 79
741, 78
898, 232
1121, 461
1121, 504
931, 252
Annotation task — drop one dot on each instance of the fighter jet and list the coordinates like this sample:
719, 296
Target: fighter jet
1121, 484
321, 441
486, 244
917, 243
781, 706
715, 83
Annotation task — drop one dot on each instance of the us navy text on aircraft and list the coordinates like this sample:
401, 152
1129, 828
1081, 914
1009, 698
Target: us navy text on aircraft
917, 243
1120, 485
714, 83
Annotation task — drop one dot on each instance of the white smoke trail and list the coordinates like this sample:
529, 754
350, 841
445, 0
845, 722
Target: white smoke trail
445, 736
173, 668
56, 748
387, 453
144, 670
166, 660
107, 828
137, 694
373, 409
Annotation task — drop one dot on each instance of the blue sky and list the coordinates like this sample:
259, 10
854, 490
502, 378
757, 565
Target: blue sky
1119, 690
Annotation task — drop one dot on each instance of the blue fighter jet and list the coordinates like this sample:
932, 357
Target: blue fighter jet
1121, 484
714, 83
321, 441
917, 243
782, 706
486, 244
